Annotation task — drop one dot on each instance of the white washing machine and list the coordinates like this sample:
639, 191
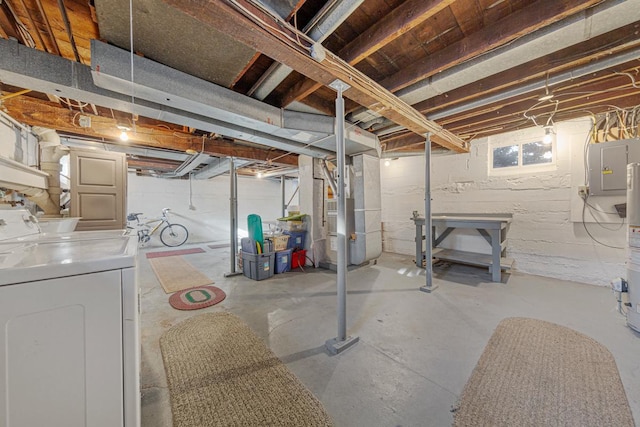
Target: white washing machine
69, 327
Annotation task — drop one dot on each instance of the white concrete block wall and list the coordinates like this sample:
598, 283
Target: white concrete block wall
542, 238
209, 222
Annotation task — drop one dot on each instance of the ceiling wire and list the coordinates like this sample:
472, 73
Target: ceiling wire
257, 20
133, 97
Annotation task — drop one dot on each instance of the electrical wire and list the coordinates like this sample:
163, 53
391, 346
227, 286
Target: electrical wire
584, 199
257, 20
584, 224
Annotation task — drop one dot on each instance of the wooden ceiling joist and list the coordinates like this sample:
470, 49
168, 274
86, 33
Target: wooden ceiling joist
250, 25
557, 62
400, 21
524, 21
39, 113
158, 165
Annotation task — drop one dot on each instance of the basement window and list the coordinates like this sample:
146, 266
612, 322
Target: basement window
523, 157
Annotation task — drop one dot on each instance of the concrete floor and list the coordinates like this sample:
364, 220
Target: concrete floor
416, 350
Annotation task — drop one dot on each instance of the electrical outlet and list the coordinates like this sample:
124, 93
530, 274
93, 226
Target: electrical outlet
84, 121
583, 191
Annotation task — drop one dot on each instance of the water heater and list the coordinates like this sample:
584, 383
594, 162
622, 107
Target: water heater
633, 260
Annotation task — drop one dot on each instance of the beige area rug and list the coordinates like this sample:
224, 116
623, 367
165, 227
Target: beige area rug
176, 274
536, 373
221, 374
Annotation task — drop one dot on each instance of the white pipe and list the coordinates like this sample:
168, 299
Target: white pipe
51, 153
40, 197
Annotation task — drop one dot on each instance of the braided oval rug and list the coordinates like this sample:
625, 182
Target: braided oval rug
536, 373
220, 373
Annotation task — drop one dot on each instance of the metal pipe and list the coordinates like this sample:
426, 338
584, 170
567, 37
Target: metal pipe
341, 342
541, 84
328, 176
521, 90
342, 220
283, 205
233, 218
428, 231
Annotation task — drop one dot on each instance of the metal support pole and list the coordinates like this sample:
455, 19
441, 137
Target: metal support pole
428, 229
341, 342
233, 215
282, 200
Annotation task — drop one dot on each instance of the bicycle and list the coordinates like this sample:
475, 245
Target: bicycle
171, 235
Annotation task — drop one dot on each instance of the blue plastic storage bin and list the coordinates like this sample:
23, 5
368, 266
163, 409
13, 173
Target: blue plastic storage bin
296, 240
283, 261
258, 267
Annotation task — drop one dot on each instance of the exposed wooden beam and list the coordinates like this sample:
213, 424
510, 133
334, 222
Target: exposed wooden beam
40, 113
594, 49
8, 25
404, 140
580, 90
507, 117
154, 164
253, 27
401, 20
524, 21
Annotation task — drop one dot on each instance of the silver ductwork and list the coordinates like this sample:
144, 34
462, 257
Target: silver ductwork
41, 71
302, 133
367, 209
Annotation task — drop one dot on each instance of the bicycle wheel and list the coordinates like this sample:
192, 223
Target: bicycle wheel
174, 235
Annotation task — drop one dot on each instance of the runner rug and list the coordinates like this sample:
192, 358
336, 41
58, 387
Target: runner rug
175, 252
536, 373
175, 274
221, 374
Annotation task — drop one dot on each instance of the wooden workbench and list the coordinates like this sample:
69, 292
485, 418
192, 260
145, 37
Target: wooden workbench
493, 227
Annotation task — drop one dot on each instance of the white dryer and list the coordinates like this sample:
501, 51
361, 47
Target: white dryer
69, 327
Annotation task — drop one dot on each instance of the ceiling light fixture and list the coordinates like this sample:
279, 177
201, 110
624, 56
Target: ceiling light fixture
548, 135
387, 162
123, 131
259, 175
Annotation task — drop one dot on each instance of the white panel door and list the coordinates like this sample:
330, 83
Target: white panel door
98, 189
61, 352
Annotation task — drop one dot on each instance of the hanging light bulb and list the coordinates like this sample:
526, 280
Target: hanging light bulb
124, 136
387, 162
259, 175
548, 135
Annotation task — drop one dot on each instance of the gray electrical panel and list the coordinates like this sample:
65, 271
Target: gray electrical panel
607, 164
